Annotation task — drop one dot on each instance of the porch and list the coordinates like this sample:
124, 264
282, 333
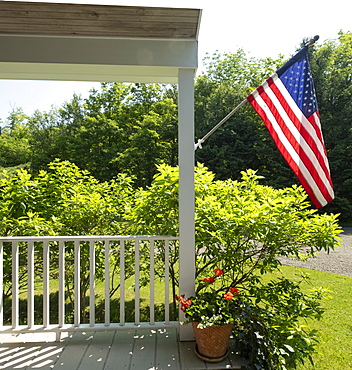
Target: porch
135, 348
81, 42
33, 338
116, 44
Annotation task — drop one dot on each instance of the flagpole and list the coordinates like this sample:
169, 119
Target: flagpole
201, 141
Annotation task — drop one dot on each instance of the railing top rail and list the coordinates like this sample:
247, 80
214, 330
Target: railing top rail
86, 237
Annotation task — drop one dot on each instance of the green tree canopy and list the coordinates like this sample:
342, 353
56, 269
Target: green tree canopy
132, 128
122, 128
14, 144
332, 73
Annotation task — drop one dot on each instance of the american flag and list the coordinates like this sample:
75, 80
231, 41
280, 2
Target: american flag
287, 104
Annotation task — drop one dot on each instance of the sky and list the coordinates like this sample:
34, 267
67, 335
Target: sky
262, 28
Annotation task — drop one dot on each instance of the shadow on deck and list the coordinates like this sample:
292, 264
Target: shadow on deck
140, 349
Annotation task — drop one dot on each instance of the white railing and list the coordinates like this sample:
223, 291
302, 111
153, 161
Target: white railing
56, 255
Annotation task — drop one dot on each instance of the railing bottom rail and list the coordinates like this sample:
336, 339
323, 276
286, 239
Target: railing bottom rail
24, 329
86, 327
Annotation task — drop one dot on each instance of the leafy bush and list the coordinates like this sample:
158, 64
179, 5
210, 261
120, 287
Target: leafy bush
62, 201
244, 228
271, 333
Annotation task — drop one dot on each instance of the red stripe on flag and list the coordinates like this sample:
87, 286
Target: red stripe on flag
320, 154
307, 161
287, 156
314, 119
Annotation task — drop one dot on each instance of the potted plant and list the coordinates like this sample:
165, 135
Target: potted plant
212, 313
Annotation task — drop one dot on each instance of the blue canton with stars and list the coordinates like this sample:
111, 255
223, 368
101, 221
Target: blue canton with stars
297, 78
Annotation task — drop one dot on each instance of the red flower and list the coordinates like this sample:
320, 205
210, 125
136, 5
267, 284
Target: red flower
208, 280
228, 296
234, 290
184, 303
218, 272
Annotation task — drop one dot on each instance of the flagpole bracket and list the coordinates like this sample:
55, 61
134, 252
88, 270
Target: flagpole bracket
198, 144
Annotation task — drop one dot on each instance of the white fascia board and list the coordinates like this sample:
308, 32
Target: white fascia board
85, 72
102, 59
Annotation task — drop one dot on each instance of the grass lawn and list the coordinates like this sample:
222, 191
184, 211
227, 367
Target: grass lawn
335, 327
159, 294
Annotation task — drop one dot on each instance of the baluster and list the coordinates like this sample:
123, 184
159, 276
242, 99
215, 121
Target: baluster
122, 282
61, 283
77, 282
107, 282
30, 298
152, 287
15, 310
136, 284
167, 284
92, 283
46, 288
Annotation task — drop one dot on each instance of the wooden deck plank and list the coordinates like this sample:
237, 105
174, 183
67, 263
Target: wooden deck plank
98, 351
76, 346
44, 358
30, 356
121, 350
225, 364
236, 361
189, 361
167, 354
143, 350
135, 349
13, 353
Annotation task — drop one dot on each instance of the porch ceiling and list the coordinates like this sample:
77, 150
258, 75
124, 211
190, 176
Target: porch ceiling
28, 18
96, 42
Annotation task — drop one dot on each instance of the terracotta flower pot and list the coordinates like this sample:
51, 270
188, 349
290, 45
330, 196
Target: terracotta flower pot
212, 342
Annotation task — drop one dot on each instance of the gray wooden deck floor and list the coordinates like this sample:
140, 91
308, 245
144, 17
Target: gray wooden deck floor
141, 349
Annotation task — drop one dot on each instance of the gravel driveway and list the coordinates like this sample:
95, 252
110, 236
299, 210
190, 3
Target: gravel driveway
338, 261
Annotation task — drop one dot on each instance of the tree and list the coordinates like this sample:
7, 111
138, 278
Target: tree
105, 133
14, 145
63, 201
243, 141
332, 70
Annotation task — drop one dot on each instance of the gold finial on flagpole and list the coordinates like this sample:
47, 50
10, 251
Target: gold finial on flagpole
313, 40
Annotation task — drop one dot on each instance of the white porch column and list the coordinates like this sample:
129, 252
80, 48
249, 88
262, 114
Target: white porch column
186, 187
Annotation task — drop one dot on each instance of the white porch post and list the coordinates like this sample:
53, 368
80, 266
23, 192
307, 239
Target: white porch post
186, 187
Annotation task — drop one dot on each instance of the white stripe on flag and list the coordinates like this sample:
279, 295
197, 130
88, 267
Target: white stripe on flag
296, 134
294, 155
305, 123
